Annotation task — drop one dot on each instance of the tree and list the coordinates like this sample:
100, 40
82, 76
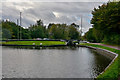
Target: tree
63, 31
11, 31
73, 33
26, 34
106, 23
38, 31
89, 36
6, 34
53, 32
75, 25
40, 22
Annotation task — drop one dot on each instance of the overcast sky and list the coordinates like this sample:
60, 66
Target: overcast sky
54, 11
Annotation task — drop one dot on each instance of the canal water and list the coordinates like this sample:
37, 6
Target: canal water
66, 62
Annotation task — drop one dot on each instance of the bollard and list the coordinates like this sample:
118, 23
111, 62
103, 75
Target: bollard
76, 43
33, 43
40, 43
65, 43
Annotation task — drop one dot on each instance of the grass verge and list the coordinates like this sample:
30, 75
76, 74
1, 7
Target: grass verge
113, 72
36, 42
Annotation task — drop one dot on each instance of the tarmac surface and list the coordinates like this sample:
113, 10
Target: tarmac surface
115, 47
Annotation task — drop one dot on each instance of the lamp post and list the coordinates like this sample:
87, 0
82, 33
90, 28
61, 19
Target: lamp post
18, 28
81, 25
20, 35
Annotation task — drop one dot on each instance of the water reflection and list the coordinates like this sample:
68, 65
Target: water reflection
57, 62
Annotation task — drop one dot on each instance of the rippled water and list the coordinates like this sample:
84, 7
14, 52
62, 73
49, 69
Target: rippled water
52, 63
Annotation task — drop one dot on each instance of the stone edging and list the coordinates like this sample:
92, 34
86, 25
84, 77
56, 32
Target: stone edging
110, 52
116, 55
33, 45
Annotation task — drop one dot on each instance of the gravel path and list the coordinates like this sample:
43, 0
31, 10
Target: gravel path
115, 47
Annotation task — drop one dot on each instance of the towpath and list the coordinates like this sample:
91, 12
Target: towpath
115, 47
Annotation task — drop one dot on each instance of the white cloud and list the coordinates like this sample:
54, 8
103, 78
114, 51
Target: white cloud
21, 6
15, 0
54, 12
55, 0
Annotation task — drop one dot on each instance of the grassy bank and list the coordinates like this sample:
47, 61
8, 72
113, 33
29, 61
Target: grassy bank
113, 71
36, 42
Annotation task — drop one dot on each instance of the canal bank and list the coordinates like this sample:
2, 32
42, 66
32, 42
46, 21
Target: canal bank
112, 70
37, 43
60, 45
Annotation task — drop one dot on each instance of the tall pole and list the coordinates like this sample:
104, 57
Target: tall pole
17, 22
18, 28
20, 36
81, 25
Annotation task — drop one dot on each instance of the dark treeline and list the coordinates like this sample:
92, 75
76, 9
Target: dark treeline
106, 24
10, 30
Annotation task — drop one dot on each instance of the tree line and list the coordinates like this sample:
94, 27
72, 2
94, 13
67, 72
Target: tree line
106, 24
11, 30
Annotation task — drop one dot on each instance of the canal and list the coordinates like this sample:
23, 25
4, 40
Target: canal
79, 62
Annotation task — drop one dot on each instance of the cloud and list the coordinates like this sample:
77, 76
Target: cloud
55, 0
57, 15
53, 12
